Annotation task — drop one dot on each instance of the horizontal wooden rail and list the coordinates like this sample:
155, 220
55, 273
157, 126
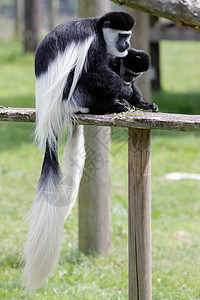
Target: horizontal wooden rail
137, 119
176, 34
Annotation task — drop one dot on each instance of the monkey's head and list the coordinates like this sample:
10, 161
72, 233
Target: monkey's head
116, 27
136, 62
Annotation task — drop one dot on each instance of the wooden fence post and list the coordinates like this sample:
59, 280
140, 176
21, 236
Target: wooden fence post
32, 24
140, 286
19, 18
155, 58
52, 12
139, 211
94, 195
140, 40
94, 198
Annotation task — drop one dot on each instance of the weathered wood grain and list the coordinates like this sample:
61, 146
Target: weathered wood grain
142, 120
94, 193
185, 12
139, 212
17, 114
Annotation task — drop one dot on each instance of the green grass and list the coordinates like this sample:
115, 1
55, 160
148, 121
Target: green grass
180, 75
17, 82
175, 204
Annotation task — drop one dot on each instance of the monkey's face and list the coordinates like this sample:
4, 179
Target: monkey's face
123, 41
117, 41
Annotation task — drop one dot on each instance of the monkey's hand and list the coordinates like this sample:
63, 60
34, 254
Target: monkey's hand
120, 106
154, 107
125, 92
124, 103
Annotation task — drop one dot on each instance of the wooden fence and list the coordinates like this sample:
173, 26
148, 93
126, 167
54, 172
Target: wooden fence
139, 126
159, 32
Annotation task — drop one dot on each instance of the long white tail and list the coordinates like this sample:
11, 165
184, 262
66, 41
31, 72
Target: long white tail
55, 197
52, 112
56, 191
73, 164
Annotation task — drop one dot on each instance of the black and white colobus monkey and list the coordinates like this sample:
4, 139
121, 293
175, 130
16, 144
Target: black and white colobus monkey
130, 68
70, 59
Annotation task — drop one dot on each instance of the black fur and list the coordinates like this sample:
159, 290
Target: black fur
117, 20
50, 166
98, 85
77, 30
136, 62
59, 38
137, 101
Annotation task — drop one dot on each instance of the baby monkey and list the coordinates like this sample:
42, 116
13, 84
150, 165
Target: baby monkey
130, 68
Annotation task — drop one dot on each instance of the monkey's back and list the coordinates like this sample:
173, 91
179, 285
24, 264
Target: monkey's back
60, 38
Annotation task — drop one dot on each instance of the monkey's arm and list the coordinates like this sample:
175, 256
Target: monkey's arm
108, 106
101, 91
137, 100
103, 81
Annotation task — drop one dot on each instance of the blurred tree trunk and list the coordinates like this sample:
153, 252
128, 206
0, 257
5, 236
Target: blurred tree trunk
93, 8
32, 24
19, 17
52, 7
94, 195
140, 40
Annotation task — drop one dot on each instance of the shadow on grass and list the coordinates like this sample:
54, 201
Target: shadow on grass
180, 103
26, 100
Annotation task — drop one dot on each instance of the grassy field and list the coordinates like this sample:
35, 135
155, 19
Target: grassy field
175, 204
